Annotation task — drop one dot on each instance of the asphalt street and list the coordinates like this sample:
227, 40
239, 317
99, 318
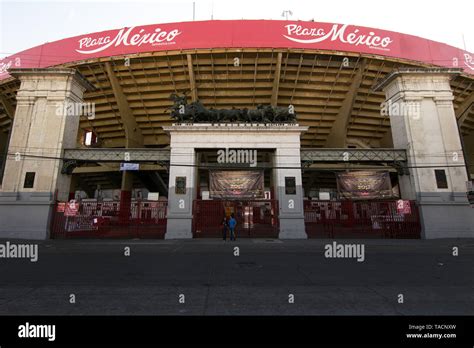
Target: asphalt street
269, 277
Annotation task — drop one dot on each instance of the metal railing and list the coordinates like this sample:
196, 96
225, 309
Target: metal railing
255, 218
353, 155
361, 219
146, 219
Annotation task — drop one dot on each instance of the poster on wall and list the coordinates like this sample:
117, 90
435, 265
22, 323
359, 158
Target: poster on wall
236, 184
364, 185
71, 208
403, 207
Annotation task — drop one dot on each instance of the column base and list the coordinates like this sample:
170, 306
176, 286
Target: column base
292, 229
447, 221
179, 228
25, 215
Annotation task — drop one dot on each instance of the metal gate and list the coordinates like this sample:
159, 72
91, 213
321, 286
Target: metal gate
146, 219
357, 219
255, 218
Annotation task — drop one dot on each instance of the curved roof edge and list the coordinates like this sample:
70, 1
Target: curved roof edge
240, 34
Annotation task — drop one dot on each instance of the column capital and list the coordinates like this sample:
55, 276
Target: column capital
33, 73
444, 100
418, 73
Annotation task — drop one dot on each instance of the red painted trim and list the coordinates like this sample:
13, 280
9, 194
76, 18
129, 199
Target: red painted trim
240, 34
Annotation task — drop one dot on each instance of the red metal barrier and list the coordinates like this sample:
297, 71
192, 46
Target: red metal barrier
147, 219
360, 219
255, 218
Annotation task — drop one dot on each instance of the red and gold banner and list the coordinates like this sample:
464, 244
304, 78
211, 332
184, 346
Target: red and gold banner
236, 184
364, 185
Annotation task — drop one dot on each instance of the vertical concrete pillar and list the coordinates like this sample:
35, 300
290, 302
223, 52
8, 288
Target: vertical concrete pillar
182, 190
420, 104
41, 130
126, 197
290, 199
73, 186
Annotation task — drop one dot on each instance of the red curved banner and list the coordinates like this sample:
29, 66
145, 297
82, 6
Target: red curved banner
240, 34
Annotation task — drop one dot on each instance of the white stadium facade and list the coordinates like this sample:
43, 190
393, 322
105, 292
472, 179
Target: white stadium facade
298, 129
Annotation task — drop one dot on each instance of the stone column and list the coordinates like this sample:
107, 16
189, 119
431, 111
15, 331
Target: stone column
290, 203
73, 186
126, 197
420, 104
43, 126
180, 199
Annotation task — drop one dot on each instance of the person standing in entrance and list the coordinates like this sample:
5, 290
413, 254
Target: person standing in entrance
232, 223
224, 228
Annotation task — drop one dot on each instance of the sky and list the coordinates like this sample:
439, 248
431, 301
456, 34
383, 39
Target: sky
25, 24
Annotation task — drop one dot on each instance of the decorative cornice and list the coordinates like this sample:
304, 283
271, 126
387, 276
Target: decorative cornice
20, 72
415, 71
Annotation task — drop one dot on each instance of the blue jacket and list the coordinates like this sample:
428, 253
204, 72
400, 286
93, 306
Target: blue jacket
232, 222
